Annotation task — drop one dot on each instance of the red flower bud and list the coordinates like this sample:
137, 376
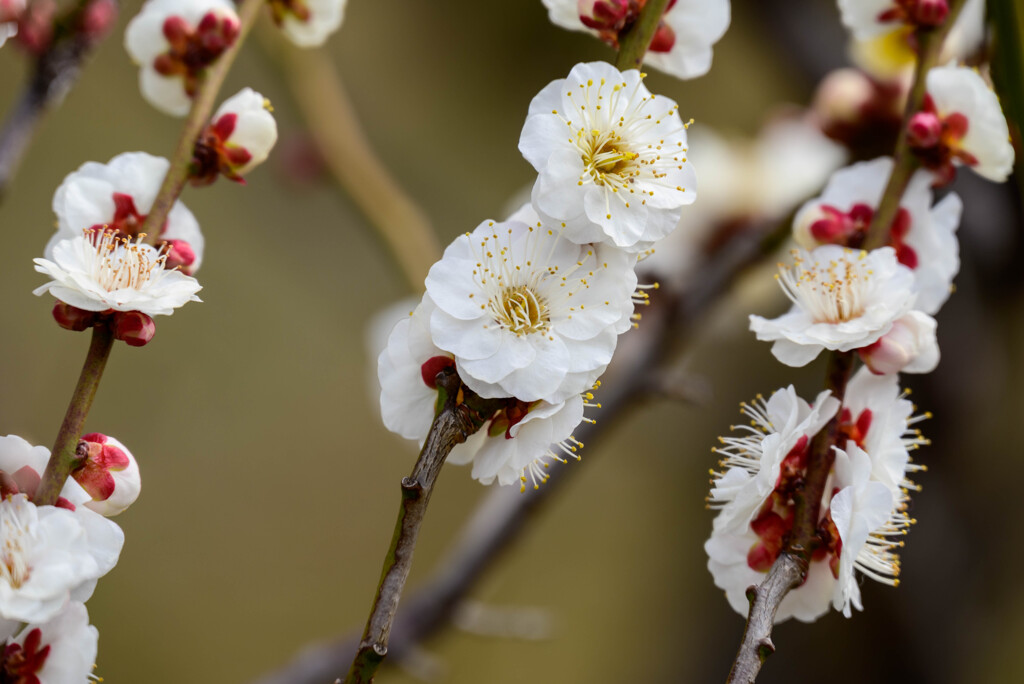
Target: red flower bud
72, 318
134, 328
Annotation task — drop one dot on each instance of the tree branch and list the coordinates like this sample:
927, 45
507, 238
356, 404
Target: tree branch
633, 46
55, 71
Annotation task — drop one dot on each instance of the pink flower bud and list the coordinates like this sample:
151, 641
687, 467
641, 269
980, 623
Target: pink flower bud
98, 17
602, 14
134, 328
909, 347
176, 30
664, 38
180, 255
109, 473
924, 129
72, 318
930, 12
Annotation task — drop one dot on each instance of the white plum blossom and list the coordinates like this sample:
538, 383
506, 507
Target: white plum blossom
308, 23
682, 44
924, 236
241, 134
516, 442
49, 555
97, 271
109, 474
611, 158
842, 300
910, 346
174, 42
119, 195
973, 127
58, 651
528, 314
779, 427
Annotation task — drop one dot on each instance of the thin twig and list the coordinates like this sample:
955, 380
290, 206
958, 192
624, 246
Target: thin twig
332, 121
505, 514
195, 122
64, 455
930, 41
633, 46
55, 71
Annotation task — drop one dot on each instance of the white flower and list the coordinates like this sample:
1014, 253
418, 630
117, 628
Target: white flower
779, 428
923, 236
62, 650
110, 475
49, 555
98, 272
527, 313
174, 41
974, 128
909, 347
867, 518
610, 157
515, 443
119, 194
308, 23
10, 12
240, 136
682, 44
842, 300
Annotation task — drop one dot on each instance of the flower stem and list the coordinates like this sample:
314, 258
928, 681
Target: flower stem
64, 455
929, 40
451, 426
195, 122
633, 46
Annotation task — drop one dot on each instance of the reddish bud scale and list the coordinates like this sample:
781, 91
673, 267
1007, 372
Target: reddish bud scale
35, 27
72, 318
432, 366
134, 328
98, 18
22, 662
213, 155
93, 473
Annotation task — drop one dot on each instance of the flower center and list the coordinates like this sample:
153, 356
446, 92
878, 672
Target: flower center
193, 48
832, 292
14, 567
521, 310
606, 162
118, 263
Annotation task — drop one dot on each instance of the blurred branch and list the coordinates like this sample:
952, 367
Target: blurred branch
929, 41
633, 46
56, 69
195, 122
505, 514
1006, 19
332, 121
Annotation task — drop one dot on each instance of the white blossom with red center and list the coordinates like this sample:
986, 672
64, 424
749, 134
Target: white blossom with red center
239, 138
62, 649
961, 123
109, 473
515, 443
118, 195
842, 300
683, 40
527, 313
863, 510
10, 14
611, 158
308, 23
910, 346
871, 18
174, 42
98, 271
923, 236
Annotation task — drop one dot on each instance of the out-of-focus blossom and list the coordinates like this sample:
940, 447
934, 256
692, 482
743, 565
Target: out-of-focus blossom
60, 650
308, 23
611, 158
117, 196
174, 42
10, 13
682, 41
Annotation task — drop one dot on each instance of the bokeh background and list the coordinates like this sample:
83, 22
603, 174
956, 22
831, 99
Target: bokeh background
271, 486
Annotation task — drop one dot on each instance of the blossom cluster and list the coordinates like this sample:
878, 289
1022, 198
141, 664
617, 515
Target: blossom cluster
528, 311
877, 304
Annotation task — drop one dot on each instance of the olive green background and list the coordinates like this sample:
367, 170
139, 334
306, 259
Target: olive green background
270, 486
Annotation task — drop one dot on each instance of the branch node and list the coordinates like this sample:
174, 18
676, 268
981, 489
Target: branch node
765, 648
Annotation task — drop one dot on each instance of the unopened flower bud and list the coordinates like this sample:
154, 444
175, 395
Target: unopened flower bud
602, 14
924, 129
180, 255
664, 38
98, 18
909, 347
72, 318
246, 130
930, 12
109, 473
134, 328
432, 366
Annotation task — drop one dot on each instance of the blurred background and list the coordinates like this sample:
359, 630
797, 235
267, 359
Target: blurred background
271, 486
